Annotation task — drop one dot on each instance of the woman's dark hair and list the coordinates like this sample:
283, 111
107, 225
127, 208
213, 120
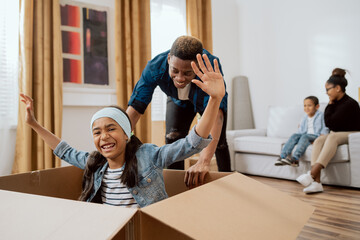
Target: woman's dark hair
186, 48
314, 99
95, 161
338, 78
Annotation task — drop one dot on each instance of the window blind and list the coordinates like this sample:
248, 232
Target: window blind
9, 51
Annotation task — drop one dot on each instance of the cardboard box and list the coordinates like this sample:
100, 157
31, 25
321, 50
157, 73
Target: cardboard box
229, 206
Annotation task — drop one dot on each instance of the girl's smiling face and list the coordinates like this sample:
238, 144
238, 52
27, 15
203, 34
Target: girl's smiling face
109, 139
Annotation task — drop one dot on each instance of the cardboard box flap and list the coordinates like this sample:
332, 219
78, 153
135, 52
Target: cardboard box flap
151, 228
64, 182
174, 180
233, 207
26, 216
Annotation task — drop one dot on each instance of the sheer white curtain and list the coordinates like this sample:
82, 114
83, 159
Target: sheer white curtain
168, 21
9, 45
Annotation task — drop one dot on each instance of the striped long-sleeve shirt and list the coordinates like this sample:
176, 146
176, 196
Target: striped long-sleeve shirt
114, 192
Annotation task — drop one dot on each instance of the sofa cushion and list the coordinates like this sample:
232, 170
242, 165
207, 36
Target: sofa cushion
259, 145
273, 146
284, 121
341, 155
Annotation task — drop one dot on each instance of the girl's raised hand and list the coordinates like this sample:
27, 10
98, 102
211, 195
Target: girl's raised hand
29, 109
212, 81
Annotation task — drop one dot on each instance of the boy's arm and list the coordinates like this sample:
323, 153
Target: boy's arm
212, 83
142, 94
133, 115
50, 139
195, 175
301, 126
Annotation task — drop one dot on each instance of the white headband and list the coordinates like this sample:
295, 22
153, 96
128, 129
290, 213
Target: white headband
115, 114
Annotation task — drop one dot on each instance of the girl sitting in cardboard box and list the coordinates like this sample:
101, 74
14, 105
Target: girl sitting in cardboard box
123, 171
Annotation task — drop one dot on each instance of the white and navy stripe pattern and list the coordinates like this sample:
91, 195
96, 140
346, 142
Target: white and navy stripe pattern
114, 192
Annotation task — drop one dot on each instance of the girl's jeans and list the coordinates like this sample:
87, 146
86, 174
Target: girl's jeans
301, 140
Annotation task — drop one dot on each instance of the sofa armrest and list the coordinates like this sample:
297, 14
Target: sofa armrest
354, 151
232, 134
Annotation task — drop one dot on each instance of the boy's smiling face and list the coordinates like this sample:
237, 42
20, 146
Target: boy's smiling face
310, 108
180, 71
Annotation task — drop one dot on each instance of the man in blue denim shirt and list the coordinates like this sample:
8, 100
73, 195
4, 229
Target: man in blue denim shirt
172, 72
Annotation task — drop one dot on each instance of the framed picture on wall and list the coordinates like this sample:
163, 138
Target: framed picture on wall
84, 34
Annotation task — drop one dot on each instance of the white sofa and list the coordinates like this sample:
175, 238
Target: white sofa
254, 151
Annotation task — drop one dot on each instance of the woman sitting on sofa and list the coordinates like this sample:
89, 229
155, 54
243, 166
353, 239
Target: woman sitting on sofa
342, 117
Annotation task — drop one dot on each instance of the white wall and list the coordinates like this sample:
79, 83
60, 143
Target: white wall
226, 43
288, 49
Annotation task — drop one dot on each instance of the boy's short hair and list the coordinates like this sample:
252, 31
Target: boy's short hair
186, 48
314, 99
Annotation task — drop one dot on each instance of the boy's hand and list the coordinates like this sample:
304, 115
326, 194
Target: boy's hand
212, 81
29, 109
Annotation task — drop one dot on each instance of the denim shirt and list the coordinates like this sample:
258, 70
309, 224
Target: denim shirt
156, 73
319, 124
151, 161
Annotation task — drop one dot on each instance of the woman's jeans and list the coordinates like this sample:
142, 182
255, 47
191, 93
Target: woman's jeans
301, 140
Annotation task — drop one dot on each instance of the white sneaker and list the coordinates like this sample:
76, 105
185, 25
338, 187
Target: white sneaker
314, 188
305, 179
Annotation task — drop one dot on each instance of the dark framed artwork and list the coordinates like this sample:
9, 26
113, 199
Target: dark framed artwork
85, 44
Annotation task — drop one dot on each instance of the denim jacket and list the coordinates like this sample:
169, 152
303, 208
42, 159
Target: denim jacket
156, 73
151, 161
319, 124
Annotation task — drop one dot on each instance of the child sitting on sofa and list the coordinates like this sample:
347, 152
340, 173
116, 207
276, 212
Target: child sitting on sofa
312, 125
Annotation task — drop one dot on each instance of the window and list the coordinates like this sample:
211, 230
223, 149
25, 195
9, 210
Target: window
168, 21
9, 53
